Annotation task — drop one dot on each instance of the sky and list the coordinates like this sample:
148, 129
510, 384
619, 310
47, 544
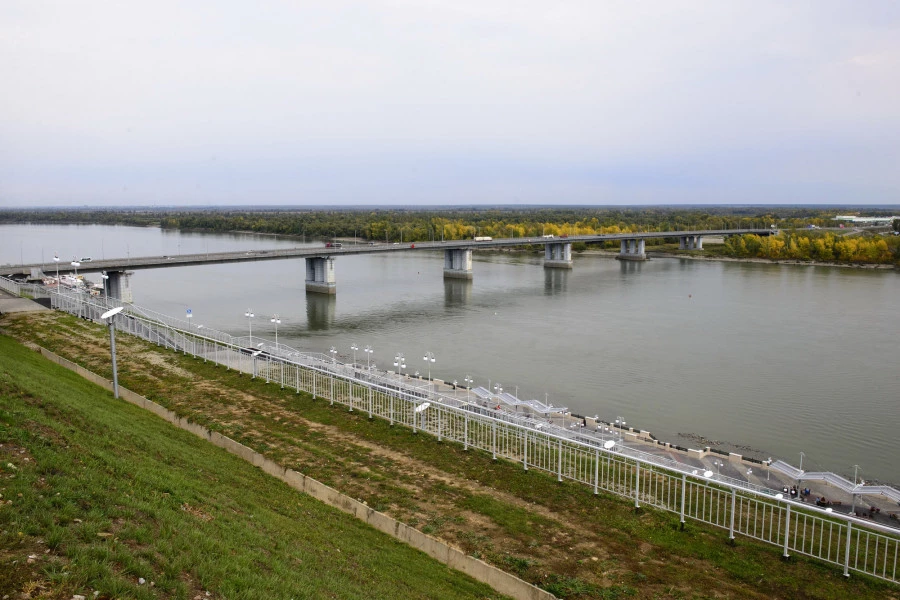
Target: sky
434, 102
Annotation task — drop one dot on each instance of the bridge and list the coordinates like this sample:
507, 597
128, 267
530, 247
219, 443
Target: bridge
320, 275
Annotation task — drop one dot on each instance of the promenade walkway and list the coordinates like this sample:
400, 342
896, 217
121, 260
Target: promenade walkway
879, 504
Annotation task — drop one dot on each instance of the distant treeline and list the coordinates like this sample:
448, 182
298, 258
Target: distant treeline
418, 224
424, 224
817, 246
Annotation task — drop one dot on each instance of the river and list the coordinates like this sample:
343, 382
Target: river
770, 360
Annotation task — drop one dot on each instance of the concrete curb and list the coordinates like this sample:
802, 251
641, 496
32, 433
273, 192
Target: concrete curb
500, 580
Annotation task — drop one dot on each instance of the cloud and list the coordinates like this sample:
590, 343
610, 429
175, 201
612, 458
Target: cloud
170, 99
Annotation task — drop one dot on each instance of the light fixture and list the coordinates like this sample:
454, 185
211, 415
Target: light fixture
109, 317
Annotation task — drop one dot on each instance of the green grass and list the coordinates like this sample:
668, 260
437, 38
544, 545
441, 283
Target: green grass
557, 535
102, 493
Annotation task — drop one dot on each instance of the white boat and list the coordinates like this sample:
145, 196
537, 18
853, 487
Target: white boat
71, 281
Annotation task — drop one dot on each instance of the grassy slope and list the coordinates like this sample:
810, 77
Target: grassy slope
102, 493
557, 535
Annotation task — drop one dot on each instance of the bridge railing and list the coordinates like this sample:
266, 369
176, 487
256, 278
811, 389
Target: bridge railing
643, 478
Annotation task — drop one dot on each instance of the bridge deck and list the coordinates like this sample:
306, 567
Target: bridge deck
183, 260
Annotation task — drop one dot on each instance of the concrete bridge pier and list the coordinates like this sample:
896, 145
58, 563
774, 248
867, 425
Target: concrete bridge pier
119, 285
458, 263
320, 275
690, 242
558, 255
632, 249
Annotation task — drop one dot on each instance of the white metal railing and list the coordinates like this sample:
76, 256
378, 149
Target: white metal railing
837, 481
642, 477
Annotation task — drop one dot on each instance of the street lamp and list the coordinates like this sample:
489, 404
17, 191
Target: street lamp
56, 258
249, 314
277, 320
75, 264
469, 381
333, 355
429, 360
400, 363
110, 314
368, 350
498, 389
718, 464
354, 346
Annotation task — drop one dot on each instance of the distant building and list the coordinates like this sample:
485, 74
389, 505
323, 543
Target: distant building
865, 220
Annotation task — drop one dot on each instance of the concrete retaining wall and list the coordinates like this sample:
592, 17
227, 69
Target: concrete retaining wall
501, 581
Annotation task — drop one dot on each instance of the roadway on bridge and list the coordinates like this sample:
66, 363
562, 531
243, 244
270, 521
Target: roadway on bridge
182, 260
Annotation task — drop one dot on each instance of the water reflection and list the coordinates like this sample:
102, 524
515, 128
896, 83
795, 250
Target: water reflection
457, 292
320, 311
555, 281
630, 266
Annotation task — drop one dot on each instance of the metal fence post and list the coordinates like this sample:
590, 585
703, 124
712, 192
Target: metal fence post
331, 377
596, 470
847, 550
494, 439
683, 495
466, 431
525, 451
731, 526
370, 402
787, 530
559, 461
637, 485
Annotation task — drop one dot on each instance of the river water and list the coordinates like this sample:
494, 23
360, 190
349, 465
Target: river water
774, 358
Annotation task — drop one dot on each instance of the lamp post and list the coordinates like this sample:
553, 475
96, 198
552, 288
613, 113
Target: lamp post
429, 360
718, 464
469, 381
104, 277
400, 363
249, 314
354, 346
75, 264
498, 389
368, 350
56, 259
109, 317
333, 352
277, 321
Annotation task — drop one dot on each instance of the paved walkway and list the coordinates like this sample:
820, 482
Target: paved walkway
13, 304
757, 474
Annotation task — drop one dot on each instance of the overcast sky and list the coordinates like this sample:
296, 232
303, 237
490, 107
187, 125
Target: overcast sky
449, 102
